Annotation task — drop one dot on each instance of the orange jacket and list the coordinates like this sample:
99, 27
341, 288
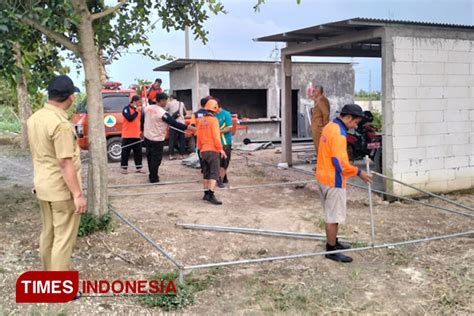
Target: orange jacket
131, 125
208, 134
333, 167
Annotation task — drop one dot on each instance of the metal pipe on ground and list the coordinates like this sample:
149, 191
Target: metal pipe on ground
365, 188
220, 190
247, 141
424, 191
253, 231
147, 238
313, 254
117, 186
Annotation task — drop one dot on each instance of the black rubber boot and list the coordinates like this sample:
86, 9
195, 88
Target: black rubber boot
338, 257
342, 245
220, 183
212, 198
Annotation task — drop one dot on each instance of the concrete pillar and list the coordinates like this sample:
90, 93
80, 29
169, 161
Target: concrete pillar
286, 109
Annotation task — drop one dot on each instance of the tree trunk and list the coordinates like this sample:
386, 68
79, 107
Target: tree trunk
97, 176
103, 73
24, 107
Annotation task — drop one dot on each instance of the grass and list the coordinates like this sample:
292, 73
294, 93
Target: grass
275, 296
184, 296
91, 223
9, 121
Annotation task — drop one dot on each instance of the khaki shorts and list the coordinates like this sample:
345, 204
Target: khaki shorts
334, 204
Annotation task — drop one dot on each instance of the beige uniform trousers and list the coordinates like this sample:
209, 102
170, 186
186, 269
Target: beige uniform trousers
59, 234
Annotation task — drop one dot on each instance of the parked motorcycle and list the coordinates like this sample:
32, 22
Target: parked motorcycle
365, 140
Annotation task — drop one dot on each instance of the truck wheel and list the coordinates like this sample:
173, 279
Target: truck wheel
114, 149
191, 144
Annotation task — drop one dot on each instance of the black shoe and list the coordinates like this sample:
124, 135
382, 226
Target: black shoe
212, 198
220, 184
339, 257
225, 180
206, 193
154, 180
342, 245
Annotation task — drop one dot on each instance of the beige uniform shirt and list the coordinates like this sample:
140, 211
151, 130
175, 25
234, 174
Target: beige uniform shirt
155, 128
52, 137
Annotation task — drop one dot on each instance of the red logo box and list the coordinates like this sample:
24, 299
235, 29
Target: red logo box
47, 286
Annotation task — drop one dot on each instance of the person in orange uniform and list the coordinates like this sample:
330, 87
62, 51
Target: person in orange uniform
332, 170
154, 90
209, 144
131, 134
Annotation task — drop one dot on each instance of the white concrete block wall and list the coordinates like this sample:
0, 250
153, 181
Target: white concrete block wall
432, 132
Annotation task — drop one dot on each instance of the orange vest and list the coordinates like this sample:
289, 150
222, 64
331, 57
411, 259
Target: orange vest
208, 134
333, 166
131, 129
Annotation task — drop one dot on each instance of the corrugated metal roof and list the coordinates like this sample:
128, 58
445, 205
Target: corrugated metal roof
354, 24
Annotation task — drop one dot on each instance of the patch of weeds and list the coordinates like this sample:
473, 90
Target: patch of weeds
321, 223
2, 270
457, 290
401, 256
359, 244
91, 223
62, 313
355, 274
2, 178
185, 293
289, 298
258, 173
246, 253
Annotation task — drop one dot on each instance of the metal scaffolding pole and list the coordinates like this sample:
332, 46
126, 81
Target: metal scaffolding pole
369, 189
253, 231
147, 238
313, 254
373, 190
257, 186
424, 191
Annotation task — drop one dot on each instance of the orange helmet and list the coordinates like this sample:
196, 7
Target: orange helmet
211, 105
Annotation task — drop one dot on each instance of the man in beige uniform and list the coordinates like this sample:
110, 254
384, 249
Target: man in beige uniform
320, 115
57, 175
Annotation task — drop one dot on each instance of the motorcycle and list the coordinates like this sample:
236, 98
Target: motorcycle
365, 140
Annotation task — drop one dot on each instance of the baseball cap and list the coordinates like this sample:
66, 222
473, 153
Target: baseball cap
62, 86
135, 98
352, 109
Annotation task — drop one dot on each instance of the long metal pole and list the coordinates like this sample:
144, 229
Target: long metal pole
117, 186
226, 189
253, 231
145, 236
122, 147
313, 254
369, 189
365, 188
424, 191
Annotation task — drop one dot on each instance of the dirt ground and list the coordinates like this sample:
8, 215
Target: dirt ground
428, 278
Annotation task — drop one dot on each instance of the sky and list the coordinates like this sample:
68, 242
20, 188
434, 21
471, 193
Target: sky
230, 35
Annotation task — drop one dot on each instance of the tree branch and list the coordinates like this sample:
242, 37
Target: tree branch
108, 11
60, 38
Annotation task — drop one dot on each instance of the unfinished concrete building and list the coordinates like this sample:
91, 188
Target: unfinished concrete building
427, 94
252, 89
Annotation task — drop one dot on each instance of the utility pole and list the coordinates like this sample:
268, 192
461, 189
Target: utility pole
186, 42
